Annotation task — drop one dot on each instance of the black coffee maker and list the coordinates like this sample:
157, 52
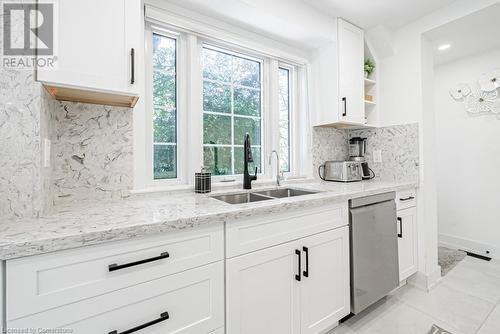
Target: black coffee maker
357, 150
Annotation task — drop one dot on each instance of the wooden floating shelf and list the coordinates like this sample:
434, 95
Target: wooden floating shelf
92, 97
347, 125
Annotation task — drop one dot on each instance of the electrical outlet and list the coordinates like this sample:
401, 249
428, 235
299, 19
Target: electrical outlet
377, 156
46, 152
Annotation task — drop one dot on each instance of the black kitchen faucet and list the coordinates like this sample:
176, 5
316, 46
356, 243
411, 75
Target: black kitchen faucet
247, 178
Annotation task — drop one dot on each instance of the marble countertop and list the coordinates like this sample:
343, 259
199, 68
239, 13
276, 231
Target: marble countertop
83, 224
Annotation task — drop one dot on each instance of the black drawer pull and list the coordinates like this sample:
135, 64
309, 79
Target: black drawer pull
306, 272
400, 221
407, 199
114, 266
164, 316
299, 270
132, 66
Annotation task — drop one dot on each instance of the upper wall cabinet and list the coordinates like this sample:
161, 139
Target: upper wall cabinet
339, 81
351, 85
98, 43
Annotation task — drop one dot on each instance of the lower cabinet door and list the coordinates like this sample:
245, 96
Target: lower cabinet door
407, 242
263, 291
190, 302
324, 291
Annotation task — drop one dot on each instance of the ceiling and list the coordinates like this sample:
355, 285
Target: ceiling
370, 13
472, 34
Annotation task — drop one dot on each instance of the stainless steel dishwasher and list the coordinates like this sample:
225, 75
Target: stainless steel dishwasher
374, 249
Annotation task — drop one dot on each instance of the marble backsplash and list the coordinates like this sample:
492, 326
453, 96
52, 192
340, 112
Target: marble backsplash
92, 149
92, 152
328, 144
29, 115
22, 113
398, 144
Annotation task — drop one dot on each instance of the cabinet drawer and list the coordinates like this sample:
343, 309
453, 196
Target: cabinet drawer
193, 300
248, 235
42, 282
406, 199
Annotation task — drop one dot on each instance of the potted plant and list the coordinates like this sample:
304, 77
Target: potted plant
369, 67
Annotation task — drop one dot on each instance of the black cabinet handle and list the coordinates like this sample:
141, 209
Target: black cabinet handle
297, 277
406, 199
344, 100
306, 272
114, 266
400, 221
164, 316
132, 66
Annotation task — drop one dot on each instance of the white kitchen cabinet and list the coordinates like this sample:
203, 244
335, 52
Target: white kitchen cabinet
338, 79
324, 292
406, 199
98, 44
351, 80
246, 235
39, 283
298, 287
122, 285
262, 292
189, 302
407, 242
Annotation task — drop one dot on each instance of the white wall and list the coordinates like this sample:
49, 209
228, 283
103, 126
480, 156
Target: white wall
405, 78
290, 21
468, 160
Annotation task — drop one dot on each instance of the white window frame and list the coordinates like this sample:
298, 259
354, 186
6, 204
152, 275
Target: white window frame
181, 103
292, 103
190, 108
217, 46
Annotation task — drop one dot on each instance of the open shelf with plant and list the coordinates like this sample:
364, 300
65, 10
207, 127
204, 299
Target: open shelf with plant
371, 86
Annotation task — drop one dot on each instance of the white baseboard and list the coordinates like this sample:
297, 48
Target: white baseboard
424, 281
469, 245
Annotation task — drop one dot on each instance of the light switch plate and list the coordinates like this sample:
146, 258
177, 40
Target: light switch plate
46, 152
377, 156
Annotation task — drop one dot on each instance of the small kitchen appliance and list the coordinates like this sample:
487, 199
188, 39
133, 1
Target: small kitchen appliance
341, 171
357, 150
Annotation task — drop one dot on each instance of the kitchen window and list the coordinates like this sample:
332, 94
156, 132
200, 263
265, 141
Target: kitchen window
203, 95
285, 106
232, 107
164, 54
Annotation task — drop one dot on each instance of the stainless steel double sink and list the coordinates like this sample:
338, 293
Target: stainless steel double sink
262, 195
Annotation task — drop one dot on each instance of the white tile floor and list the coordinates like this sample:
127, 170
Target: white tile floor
466, 301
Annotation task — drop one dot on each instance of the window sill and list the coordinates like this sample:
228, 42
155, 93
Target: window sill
219, 185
